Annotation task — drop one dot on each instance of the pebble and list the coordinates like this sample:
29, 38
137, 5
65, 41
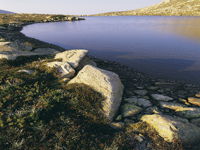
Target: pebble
129, 110
160, 97
141, 92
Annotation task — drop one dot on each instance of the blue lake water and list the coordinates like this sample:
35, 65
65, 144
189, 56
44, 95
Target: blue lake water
167, 47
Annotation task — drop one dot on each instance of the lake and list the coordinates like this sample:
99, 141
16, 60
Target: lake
166, 47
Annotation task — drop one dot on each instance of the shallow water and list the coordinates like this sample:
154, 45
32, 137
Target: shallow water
167, 47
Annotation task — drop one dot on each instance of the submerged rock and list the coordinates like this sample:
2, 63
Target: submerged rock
160, 97
173, 128
105, 82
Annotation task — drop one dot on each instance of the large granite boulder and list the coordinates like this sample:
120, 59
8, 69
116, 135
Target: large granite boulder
105, 82
173, 128
73, 57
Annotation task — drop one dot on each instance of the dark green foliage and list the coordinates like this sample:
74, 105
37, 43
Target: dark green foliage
39, 112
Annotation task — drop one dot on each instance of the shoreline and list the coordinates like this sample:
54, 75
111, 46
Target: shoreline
18, 35
138, 86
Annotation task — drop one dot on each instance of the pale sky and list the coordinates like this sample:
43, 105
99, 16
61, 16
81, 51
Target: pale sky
73, 6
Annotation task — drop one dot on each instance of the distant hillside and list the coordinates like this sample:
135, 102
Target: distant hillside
5, 12
166, 8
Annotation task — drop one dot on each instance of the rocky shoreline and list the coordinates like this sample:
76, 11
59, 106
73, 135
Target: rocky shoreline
171, 108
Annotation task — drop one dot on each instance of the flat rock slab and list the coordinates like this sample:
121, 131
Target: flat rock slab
129, 110
160, 97
194, 101
182, 110
105, 82
173, 128
73, 57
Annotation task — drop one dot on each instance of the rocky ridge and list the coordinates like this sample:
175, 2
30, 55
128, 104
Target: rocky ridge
165, 8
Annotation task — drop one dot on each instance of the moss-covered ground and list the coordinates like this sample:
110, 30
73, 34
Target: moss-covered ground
37, 111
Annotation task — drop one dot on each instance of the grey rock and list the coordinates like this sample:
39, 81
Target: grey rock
141, 92
129, 110
139, 101
160, 97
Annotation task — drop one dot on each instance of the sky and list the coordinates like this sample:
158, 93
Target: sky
73, 6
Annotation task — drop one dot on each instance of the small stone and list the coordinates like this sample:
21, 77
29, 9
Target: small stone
139, 101
184, 101
194, 101
128, 121
131, 99
118, 118
26, 71
139, 138
129, 110
198, 95
141, 92
152, 110
117, 125
160, 97
153, 88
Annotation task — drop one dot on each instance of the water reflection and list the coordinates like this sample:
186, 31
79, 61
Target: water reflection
160, 46
183, 26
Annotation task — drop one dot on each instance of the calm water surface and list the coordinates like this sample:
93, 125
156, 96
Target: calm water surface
167, 47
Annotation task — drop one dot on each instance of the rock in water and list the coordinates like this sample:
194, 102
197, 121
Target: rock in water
173, 128
73, 57
105, 82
